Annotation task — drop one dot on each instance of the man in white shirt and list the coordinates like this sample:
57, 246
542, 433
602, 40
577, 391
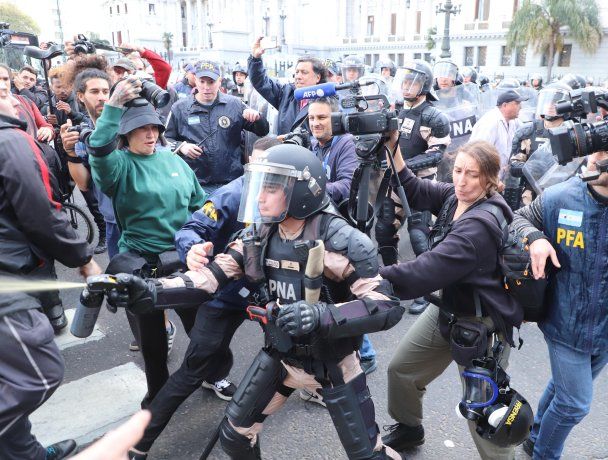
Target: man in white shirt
498, 126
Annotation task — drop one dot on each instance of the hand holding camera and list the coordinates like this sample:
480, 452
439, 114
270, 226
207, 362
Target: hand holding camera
125, 91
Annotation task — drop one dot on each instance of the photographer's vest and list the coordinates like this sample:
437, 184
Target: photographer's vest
577, 227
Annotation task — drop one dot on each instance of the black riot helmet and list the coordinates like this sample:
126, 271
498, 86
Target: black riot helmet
289, 175
350, 63
483, 80
501, 415
238, 68
548, 97
445, 68
572, 81
471, 73
539, 81
386, 64
416, 72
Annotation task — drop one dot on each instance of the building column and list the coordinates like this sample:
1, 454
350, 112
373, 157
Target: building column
200, 24
188, 24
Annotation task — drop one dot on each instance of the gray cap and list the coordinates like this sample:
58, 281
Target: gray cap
125, 63
510, 96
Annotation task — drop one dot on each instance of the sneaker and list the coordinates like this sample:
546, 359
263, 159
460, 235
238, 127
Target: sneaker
312, 396
401, 437
134, 346
60, 449
171, 331
101, 246
528, 446
418, 306
224, 389
369, 365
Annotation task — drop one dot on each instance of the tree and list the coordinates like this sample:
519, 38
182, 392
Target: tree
430, 38
541, 24
167, 42
18, 20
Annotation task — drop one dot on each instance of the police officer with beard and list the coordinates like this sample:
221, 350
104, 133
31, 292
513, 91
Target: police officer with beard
425, 134
305, 260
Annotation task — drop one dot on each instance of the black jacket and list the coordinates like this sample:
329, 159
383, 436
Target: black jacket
465, 261
33, 227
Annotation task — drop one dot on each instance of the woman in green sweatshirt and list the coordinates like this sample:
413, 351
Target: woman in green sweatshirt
154, 192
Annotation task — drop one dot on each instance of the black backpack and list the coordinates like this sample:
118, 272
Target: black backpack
514, 263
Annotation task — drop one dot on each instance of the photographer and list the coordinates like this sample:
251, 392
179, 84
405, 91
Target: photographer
566, 225
153, 194
34, 231
309, 71
63, 99
206, 128
462, 261
337, 153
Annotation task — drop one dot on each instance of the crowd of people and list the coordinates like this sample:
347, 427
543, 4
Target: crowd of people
224, 190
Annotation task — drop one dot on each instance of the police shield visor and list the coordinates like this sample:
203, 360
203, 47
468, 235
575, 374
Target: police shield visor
547, 98
411, 83
267, 189
445, 70
478, 390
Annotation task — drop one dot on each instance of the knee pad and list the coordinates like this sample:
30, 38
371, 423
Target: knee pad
418, 240
237, 446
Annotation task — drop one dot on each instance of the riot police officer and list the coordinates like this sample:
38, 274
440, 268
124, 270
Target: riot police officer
425, 134
353, 68
387, 69
239, 75
469, 75
300, 254
536, 81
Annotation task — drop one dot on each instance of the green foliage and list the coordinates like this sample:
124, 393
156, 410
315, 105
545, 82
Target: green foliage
168, 40
430, 38
544, 25
18, 20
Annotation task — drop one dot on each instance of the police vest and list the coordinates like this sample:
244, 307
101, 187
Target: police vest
411, 142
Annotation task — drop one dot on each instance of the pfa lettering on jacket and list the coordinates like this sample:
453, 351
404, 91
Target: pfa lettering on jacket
570, 236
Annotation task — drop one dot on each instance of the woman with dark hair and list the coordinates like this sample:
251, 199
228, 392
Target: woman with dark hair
153, 192
462, 262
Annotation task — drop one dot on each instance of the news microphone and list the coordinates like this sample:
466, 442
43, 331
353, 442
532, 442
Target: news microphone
326, 89
316, 91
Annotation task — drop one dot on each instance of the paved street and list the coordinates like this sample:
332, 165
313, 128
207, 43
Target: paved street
104, 384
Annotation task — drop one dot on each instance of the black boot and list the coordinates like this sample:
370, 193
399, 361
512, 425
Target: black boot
401, 437
101, 245
528, 446
60, 449
418, 306
57, 318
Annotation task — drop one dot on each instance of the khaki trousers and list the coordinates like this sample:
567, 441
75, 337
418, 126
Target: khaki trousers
421, 356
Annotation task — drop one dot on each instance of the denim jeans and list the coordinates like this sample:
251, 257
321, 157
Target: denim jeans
367, 349
112, 237
567, 398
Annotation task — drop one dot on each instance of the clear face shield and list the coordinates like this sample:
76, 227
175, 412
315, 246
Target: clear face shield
411, 83
445, 70
352, 73
267, 190
545, 104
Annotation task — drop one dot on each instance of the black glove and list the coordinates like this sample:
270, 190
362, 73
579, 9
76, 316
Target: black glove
300, 318
134, 293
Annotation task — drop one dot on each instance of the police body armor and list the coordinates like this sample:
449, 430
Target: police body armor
284, 266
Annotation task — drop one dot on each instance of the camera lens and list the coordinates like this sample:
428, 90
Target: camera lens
153, 93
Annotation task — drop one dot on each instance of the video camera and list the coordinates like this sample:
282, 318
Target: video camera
83, 130
581, 103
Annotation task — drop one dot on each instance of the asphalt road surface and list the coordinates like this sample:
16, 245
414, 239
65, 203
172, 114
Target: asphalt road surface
104, 384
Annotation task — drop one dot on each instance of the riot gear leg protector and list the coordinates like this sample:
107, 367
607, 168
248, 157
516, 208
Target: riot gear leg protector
418, 226
352, 411
237, 446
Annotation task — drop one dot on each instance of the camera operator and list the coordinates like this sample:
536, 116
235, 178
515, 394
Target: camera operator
425, 134
63, 99
309, 71
24, 84
206, 128
27, 110
567, 224
31, 368
337, 153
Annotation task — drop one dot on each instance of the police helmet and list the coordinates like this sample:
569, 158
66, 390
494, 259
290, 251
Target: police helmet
418, 70
294, 169
471, 73
509, 83
445, 68
548, 97
483, 80
536, 77
239, 68
386, 64
353, 62
571, 80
